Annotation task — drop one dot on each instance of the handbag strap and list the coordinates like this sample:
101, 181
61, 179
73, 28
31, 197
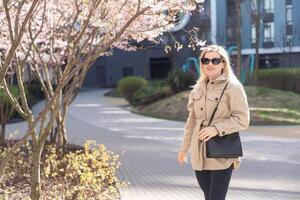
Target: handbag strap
216, 108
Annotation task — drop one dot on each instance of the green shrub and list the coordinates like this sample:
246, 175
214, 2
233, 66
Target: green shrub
14, 91
129, 85
158, 83
180, 81
151, 93
287, 79
6, 105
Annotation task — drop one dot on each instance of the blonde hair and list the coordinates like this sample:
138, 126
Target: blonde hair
227, 71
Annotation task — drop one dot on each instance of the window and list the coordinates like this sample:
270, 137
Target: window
253, 5
269, 6
231, 36
204, 10
165, 38
269, 61
289, 30
253, 33
289, 14
160, 67
205, 34
289, 40
229, 32
231, 7
269, 32
231, 21
127, 71
288, 2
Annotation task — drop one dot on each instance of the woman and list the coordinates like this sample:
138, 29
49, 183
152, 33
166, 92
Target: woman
213, 175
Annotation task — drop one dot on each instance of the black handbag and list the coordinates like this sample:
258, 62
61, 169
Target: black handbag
227, 146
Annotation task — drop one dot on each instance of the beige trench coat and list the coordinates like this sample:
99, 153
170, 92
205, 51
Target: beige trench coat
232, 115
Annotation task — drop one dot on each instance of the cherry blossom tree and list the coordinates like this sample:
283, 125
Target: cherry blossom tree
67, 37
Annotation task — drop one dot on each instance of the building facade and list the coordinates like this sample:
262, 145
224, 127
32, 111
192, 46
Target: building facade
279, 41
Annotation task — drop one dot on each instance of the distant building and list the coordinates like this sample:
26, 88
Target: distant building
279, 41
279, 30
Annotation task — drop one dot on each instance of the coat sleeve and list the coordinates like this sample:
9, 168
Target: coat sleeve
189, 126
239, 118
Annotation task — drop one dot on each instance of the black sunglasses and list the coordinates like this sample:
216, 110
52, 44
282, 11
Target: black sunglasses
214, 61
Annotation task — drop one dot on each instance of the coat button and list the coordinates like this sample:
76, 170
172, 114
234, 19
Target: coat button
216, 98
212, 82
201, 108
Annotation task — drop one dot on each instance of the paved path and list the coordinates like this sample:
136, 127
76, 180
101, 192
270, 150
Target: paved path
270, 169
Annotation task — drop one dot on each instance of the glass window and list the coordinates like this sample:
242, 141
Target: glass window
253, 5
165, 39
269, 6
253, 33
127, 71
229, 32
288, 2
269, 32
289, 15
205, 34
289, 40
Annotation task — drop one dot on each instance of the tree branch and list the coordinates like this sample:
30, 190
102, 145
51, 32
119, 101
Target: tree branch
16, 41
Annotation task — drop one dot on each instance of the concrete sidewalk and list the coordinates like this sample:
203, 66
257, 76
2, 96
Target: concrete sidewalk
291, 131
270, 169
288, 131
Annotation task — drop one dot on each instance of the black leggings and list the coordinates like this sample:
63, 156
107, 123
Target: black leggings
214, 183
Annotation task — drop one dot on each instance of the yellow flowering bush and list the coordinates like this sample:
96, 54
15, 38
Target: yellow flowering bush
89, 173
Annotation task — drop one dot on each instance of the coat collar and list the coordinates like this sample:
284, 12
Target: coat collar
201, 85
218, 80
221, 78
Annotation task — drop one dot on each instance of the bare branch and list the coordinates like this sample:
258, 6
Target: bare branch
14, 102
139, 6
17, 40
125, 2
9, 23
22, 90
17, 19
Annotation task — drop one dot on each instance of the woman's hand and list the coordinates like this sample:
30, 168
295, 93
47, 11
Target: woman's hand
181, 158
207, 133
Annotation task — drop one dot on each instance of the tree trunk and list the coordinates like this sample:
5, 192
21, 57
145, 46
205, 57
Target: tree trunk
35, 173
61, 133
257, 25
53, 135
2, 134
239, 45
60, 124
2, 122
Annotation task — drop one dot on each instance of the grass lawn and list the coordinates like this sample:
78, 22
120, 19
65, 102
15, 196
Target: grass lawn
267, 107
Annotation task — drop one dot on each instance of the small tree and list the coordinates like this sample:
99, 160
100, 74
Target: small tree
239, 41
256, 10
70, 35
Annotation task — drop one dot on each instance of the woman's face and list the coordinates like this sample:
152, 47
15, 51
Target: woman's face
212, 64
